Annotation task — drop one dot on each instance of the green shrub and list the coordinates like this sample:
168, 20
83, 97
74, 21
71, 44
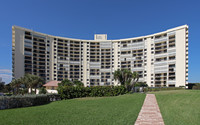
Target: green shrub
153, 89
145, 89
8, 102
42, 90
141, 84
69, 92
196, 86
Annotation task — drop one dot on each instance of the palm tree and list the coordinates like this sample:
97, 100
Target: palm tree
37, 82
16, 83
32, 81
66, 82
8, 88
126, 77
28, 81
118, 76
135, 78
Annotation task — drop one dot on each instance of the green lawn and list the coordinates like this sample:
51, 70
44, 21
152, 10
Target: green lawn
119, 110
179, 107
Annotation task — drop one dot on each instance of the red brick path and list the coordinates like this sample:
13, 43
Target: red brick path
150, 112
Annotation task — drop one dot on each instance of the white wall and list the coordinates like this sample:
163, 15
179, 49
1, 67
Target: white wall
85, 63
148, 66
180, 58
115, 60
19, 53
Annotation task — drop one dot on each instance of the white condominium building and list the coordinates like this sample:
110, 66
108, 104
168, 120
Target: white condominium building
161, 59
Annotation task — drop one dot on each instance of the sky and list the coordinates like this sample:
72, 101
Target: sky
83, 18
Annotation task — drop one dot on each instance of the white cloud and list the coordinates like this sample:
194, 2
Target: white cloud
5, 71
6, 75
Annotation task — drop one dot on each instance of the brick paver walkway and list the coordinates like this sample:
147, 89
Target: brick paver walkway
150, 112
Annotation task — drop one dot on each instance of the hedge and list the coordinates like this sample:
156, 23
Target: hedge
7, 102
153, 89
69, 92
196, 86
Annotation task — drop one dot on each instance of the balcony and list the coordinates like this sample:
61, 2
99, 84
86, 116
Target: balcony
28, 37
172, 75
172, 58
171, 37
160, 52
161, 59
171, 45
28, 66
171, 41
160, 44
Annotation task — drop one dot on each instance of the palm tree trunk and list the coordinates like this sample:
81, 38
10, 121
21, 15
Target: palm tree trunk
17, 90
31, 89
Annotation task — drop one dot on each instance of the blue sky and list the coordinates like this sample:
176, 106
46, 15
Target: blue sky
83, 18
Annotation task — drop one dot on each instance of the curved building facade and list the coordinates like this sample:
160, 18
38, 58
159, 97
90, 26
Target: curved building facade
161, 59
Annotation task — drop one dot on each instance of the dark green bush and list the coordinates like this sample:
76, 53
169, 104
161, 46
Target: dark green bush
67, 82
153, 89
196, 86
141, 84
42, 90
69, 92
8, 102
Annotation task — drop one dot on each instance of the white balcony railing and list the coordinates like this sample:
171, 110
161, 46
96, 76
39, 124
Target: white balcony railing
171, 82
160, 40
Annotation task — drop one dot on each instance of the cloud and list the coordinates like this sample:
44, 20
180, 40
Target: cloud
6, 77
5, 71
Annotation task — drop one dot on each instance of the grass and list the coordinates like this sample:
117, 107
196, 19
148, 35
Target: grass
119, 110
179, 107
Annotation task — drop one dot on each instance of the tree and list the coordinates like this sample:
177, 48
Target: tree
141, 84
66, 82
42, 90
37, 82
78, 83
16, 84
118, 76
8, 88
126, 77
2, 86
32, 81
123, 76
135, 78
28, 81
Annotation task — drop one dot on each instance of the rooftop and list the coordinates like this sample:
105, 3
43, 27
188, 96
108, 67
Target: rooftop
52, 83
